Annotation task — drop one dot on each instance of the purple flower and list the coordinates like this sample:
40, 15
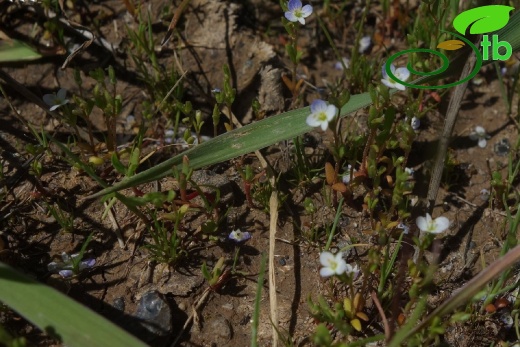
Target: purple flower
296, 12
401, 73
239, 236
66, 267
66, 273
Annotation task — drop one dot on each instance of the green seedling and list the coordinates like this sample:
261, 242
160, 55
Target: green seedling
167, 246
64, 219
214, 276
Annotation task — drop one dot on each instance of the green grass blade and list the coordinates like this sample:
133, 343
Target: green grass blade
238, 142
14, 50
510, 33
58, 315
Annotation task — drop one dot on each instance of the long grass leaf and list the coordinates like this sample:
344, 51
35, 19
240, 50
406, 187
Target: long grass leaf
238, 142
14, 50
58, 315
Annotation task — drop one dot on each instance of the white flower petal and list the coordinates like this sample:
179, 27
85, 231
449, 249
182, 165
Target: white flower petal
331, 112
301, 20
62, 94
388, 83
294, 5
482, 143
306, 11
313, 121
324, 126
402, 73
318, 105
49, 99
290, 17
399, 86
326, 272
326, 258
441, 224
421, 223
480, 130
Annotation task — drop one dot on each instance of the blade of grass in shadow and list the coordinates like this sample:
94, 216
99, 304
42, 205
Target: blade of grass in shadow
58, 315
14, 51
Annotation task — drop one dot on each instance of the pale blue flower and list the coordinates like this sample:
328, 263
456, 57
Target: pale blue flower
239, 236
321, 114
296, 12
401, 73
364, 44
56, 100
403, 226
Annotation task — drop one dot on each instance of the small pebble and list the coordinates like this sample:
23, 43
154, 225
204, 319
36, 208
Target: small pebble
484, 194
119, 303
282, 261
506, 319
155, 313
502, 147
221, 328
228, 306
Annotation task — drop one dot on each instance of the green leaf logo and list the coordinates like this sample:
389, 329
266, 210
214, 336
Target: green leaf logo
482, 19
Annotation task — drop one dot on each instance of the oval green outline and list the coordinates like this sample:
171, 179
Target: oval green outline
475, 70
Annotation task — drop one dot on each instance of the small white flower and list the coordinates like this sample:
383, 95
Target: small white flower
434, 226
333, 264
484, 194
401, 73
410, 171
296, 12
364, 44
56, 100
415, 123
339, 66
321, 114
480, 135
129, 122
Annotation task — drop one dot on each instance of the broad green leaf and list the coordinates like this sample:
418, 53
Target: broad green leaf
510, 33
482, 20
14, 50
238, 142
58, 315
